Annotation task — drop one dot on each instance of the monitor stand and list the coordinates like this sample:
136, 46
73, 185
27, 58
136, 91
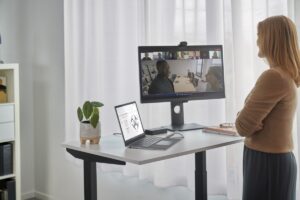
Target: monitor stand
178, 119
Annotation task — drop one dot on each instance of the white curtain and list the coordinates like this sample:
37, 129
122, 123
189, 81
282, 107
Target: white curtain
101, 40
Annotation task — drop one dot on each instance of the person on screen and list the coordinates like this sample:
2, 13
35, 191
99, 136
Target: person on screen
215, 55
161, 83
146, 57
214, 79
266, 120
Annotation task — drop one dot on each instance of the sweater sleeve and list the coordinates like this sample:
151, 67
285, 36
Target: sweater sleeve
269, 89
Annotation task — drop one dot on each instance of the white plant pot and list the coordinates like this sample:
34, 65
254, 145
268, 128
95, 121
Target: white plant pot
88, 132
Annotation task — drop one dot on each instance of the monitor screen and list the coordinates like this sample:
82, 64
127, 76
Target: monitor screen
181, 73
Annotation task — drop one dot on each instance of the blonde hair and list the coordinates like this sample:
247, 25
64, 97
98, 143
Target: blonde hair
278, 42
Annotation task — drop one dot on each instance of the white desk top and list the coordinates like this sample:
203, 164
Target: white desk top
112, 146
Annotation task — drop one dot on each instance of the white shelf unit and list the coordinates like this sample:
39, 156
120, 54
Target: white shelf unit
10, 122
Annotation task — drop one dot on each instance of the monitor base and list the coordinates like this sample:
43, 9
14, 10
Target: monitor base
184, 127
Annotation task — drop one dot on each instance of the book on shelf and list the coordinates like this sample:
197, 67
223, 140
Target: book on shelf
3, 194
11, 189
224, 129
8, 189
6, 159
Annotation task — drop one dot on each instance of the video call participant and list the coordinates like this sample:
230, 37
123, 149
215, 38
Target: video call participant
214, 79
161, 83
146, 57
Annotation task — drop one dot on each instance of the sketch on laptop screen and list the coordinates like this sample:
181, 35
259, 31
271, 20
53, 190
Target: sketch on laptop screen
130, 121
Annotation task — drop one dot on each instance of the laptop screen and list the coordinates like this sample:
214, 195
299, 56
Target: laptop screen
129, 120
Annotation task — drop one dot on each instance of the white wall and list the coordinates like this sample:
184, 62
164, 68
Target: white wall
32, 35
44, 28
13, 38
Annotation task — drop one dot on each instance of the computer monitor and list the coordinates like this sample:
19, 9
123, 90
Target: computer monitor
178, 74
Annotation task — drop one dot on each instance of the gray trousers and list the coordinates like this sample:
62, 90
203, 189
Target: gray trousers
269, 176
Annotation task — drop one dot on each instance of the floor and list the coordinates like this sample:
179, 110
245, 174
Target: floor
129, 188
132, 188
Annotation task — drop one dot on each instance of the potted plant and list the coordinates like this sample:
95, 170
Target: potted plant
89, 116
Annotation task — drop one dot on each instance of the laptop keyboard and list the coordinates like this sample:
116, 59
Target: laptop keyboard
147, 141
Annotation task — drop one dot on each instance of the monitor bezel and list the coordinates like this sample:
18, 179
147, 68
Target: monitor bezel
178, 97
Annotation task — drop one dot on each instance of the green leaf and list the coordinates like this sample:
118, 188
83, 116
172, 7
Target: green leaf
79, 114
87, 109
95, 120
95, 110
97, 104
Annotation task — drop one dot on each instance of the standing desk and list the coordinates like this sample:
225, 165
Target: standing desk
111, 150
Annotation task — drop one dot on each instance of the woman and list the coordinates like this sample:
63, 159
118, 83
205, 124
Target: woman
269, 166
214, 79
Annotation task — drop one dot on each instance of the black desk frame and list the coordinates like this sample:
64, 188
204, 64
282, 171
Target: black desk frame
90, 173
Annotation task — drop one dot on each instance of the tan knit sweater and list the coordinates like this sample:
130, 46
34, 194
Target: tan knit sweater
272, 105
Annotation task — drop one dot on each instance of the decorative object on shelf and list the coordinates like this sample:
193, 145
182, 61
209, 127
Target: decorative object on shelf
90, 127
3, 92
1, 62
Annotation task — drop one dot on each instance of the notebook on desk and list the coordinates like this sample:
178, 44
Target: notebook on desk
133, 132
222, 129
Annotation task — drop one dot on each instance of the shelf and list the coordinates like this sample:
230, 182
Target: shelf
7, 176
6, 104
9, 140
10, 122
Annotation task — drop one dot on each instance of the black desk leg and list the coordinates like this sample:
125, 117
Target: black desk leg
90, 171
200, 176
90, 180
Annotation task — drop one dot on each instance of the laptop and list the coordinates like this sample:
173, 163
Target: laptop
133, 132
